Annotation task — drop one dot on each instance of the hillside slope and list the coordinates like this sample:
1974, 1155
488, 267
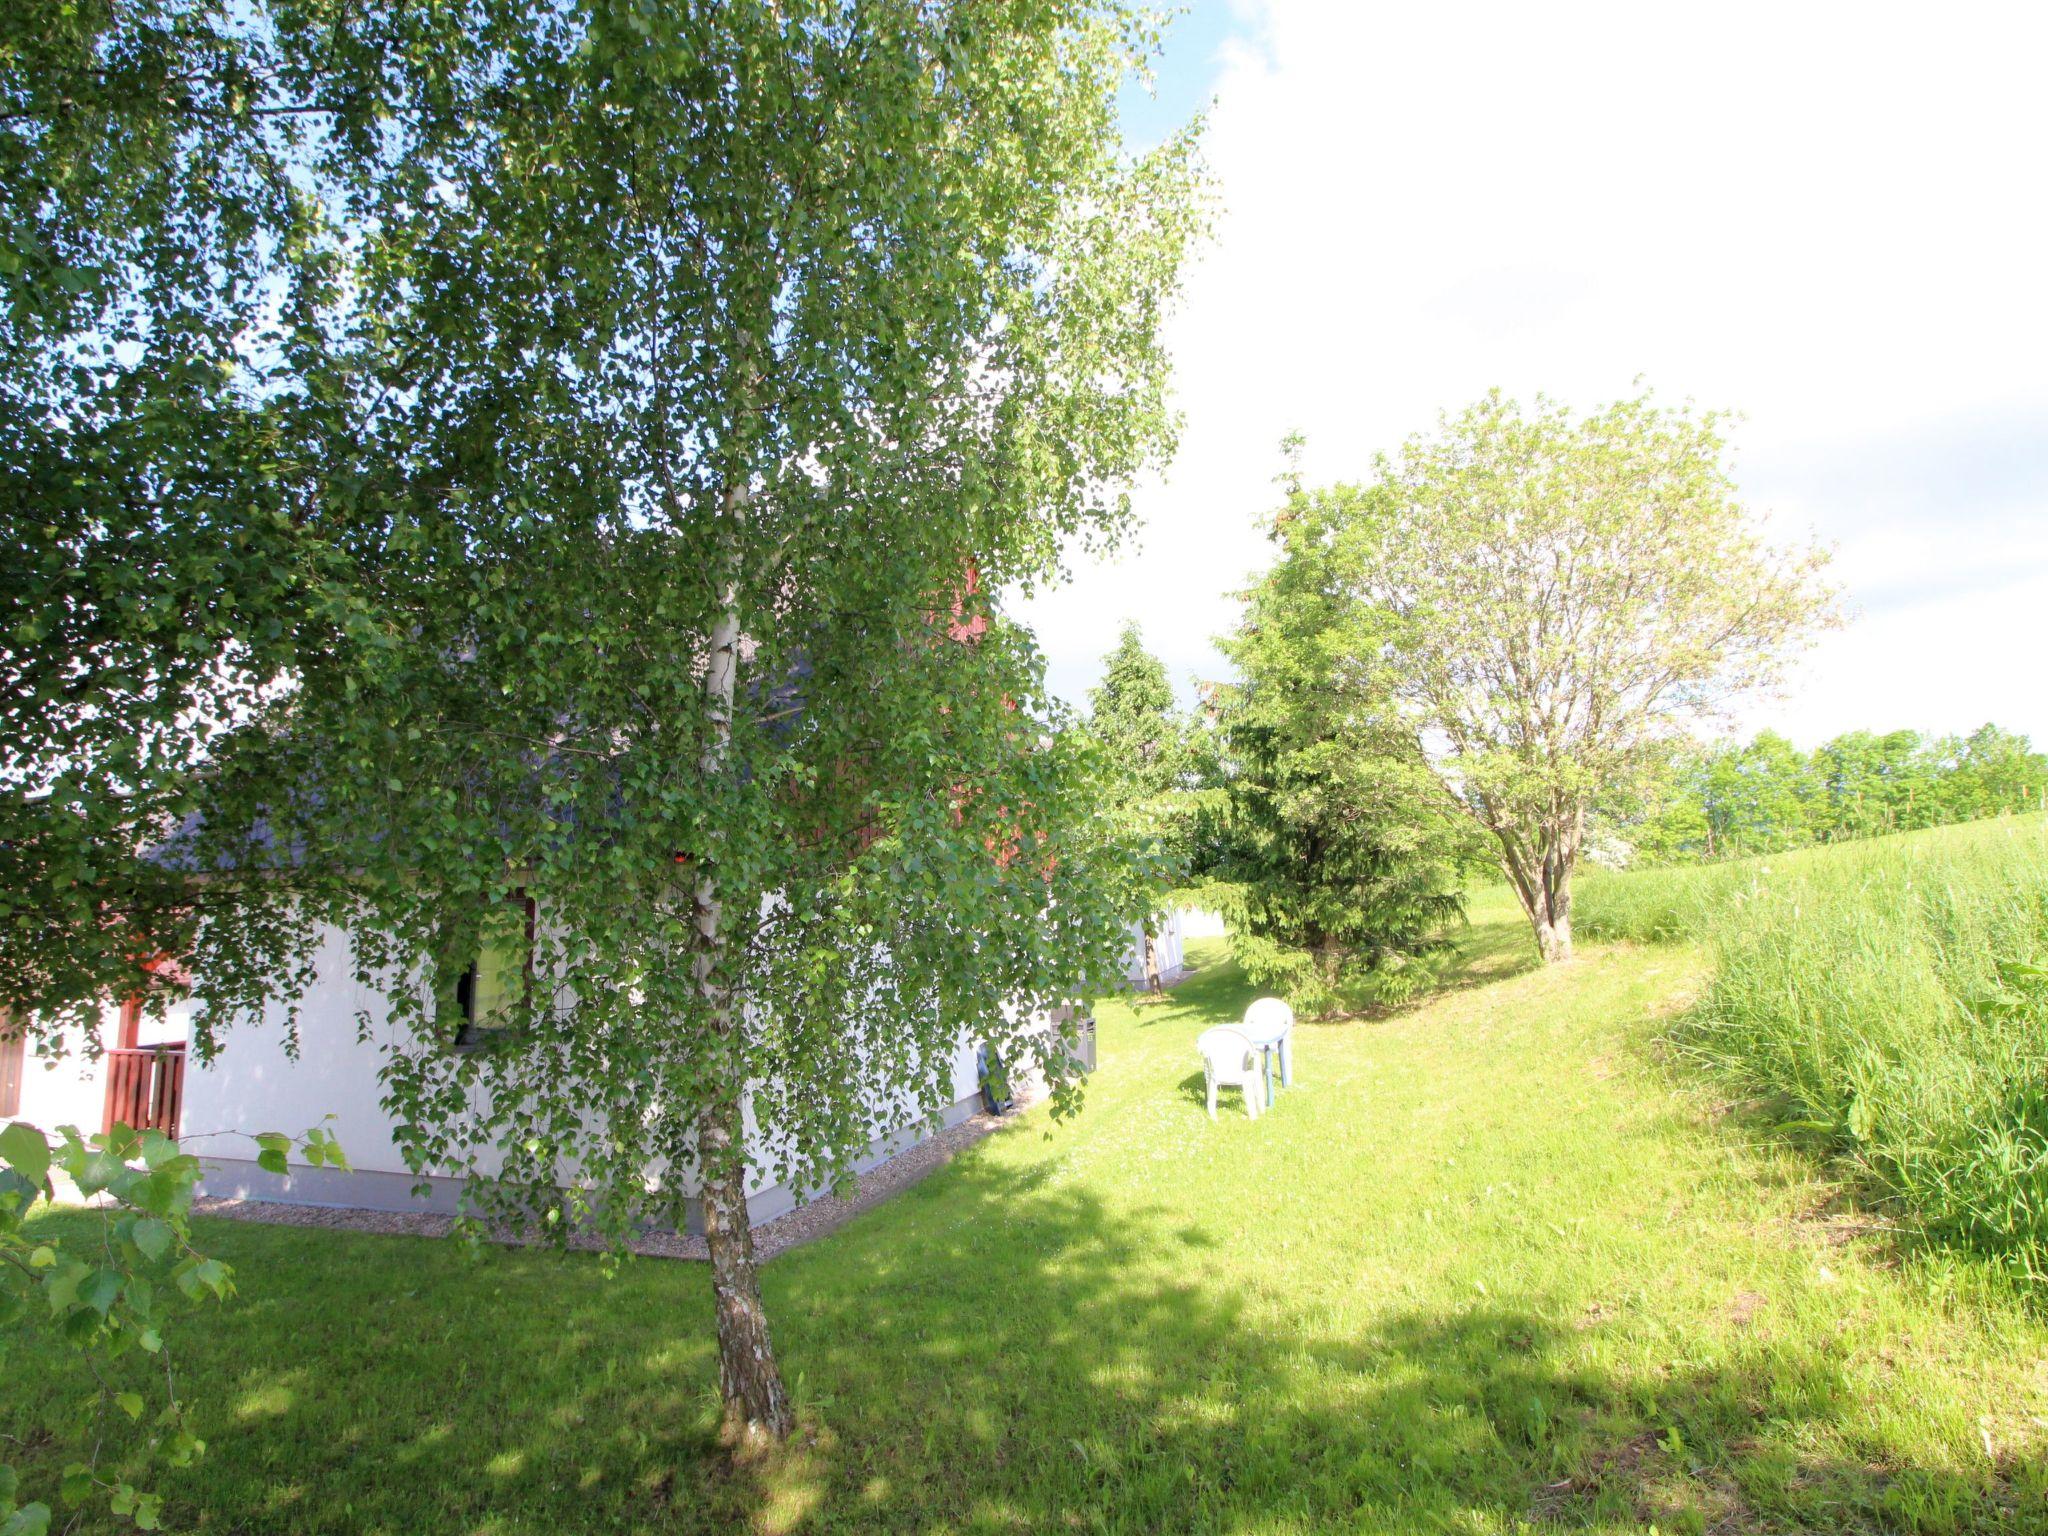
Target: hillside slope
1886, 1002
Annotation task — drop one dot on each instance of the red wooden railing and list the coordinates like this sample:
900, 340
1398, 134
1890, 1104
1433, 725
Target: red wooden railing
146, 1087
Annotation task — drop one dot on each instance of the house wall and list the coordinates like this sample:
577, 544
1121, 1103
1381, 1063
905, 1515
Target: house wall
66, 1090
254, 1084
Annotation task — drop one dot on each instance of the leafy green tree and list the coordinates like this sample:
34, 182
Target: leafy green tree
1557, 596
1755, 798
1660, 818
1901, 780
1871, 783
1734, 799
696, 374
1337, 858
1996, 770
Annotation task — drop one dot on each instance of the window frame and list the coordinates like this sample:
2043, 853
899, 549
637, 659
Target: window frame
470, 1035
13, 1065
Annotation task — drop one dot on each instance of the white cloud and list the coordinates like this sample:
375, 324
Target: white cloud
1828, 218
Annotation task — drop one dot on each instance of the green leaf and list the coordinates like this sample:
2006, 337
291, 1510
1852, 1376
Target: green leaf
75, 1487
153, 1236
102, 1290
23, 1149
29, 1520
129, 1403
96, 1170
16, 1196
61, 1290
214, 1275
272, 1161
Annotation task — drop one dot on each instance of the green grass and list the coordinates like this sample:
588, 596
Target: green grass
1890, 1000
1488, 1266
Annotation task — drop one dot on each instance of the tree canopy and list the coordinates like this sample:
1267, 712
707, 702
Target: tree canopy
164, 259
1132, 713
1156, 766
1557, 596
650, 402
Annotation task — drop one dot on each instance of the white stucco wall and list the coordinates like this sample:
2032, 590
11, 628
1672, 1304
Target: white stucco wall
66, 1090
254, 1084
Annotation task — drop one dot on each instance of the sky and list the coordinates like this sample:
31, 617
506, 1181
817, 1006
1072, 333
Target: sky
1829, 219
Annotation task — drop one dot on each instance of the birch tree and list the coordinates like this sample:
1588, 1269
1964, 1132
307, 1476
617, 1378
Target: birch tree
712, 366
155, 253
1553, 597
690, 379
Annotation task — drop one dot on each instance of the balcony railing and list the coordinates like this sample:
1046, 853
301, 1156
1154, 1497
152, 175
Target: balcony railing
146, 1087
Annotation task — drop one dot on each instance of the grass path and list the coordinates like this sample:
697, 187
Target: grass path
1488, 1266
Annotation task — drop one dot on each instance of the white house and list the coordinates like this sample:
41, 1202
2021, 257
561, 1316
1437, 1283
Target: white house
143, 1078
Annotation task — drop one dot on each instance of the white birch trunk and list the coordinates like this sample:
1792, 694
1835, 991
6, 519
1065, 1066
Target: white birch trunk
749, 1381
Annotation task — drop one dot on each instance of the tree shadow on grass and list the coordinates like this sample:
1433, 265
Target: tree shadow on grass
1194, 1089
1218, 991
1491, 951
998, 1352
1033, 1363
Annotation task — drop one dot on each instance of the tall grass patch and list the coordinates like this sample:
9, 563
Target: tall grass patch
1889, 998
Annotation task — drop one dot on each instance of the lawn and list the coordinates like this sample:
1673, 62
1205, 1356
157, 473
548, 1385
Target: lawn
1490, 1264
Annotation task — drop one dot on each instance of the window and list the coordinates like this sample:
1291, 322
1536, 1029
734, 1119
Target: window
500, 978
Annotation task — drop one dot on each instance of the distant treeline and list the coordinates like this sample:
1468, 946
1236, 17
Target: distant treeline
1766, 796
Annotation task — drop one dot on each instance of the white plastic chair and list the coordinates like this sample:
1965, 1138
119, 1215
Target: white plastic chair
1229, 1060
1269, 1025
